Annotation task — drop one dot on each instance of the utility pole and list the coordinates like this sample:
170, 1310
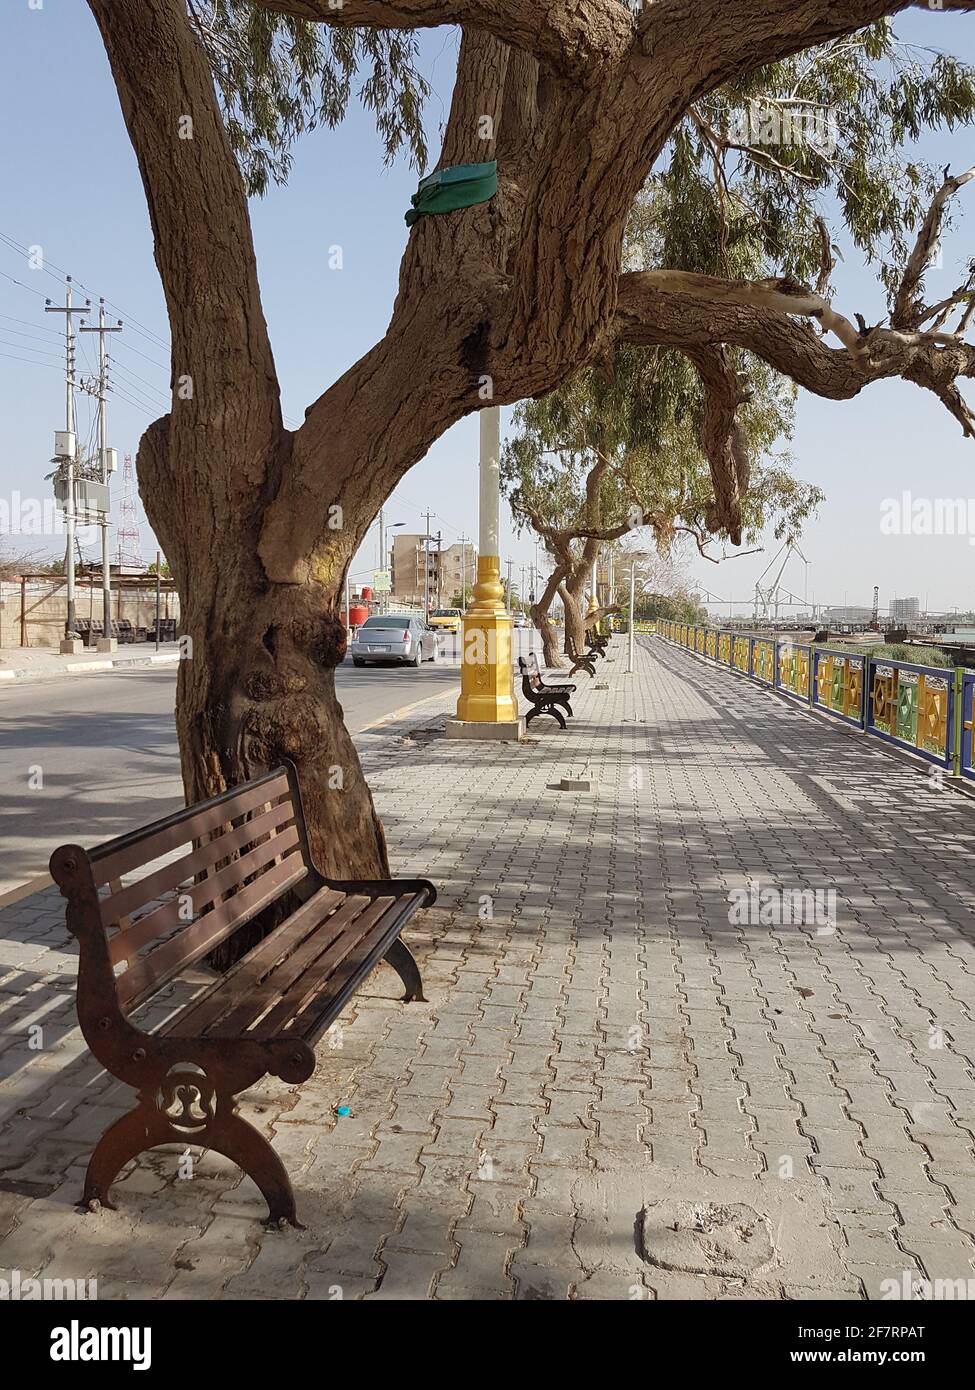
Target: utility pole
509, 563
426, 570
521, 590
629, 655
67, 309
158, 572
101, 330
463, 572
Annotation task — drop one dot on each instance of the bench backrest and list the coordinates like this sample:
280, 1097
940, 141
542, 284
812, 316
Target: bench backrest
531, 676
224, 861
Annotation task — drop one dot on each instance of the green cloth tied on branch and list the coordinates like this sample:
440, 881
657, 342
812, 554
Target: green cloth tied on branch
450, 189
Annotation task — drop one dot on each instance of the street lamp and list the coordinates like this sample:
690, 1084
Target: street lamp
487, 707
634, 556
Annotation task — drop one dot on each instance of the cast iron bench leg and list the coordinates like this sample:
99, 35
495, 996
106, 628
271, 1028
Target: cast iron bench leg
401, 958
129, 1136
226, 1133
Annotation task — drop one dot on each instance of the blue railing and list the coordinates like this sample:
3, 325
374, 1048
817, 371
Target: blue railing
929, 710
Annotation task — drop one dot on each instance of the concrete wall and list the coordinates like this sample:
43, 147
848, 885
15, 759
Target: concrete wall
46, 609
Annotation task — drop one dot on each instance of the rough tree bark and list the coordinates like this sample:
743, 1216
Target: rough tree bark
258, 523
551, 657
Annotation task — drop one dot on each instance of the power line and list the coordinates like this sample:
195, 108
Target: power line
49, 267
38, 351
49, 332
30, 362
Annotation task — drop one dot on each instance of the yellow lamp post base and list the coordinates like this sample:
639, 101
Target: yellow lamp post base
485, 673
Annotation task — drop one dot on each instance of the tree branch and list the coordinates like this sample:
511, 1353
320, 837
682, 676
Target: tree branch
576, 38
722, 440
653, 311
909, 312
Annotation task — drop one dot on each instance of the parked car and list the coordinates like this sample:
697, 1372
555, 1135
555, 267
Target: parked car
446, 618
393, 637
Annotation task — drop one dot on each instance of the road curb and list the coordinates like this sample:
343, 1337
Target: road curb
404, 710
25, 673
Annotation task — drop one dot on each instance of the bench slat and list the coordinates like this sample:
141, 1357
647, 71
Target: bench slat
318, 1012
312, 982
166, 918
118, 857
121, 903
162, 965
291, 971
225, 994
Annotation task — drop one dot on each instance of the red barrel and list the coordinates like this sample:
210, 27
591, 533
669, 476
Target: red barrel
366, 594
358, 613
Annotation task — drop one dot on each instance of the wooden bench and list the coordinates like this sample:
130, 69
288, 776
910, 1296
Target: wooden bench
544, 699
229, 859
585, 661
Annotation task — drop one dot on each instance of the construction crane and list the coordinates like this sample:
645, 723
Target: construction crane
875, 615
771, 596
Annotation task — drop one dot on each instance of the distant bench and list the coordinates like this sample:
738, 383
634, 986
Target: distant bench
243, 851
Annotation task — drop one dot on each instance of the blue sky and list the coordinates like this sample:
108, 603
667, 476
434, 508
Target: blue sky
70, 185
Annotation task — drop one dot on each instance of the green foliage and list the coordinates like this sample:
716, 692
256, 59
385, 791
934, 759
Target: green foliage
903, 651
277, 77
681, 607
640, 409
865, 101
919, 656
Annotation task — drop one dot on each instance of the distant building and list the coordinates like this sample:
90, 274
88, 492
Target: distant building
447, 570
833, 616
901, 609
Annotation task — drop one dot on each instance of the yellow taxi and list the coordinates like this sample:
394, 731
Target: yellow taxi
448, 619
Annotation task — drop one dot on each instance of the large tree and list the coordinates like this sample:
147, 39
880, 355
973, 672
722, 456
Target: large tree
500, 301
618, 449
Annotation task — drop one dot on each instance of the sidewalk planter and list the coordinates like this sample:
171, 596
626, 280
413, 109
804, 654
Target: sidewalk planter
914, 707
927, 709
838, 685
792, 668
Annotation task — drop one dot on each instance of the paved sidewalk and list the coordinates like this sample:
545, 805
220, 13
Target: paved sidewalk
615, 1091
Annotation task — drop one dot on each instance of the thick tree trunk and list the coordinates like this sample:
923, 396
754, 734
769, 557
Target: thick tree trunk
575, 631
551, 657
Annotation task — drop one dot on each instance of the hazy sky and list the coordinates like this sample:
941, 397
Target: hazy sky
70, 185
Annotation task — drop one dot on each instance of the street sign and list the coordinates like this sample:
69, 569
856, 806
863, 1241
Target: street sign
381, 581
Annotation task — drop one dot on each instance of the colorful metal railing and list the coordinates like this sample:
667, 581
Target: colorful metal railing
838, 684
763, 660
964, 719
926, 709
741, 655
913, 706
792, 663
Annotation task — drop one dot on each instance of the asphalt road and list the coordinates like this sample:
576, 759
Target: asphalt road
101, 751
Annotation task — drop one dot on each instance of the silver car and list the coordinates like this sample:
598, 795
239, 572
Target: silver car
393, 637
